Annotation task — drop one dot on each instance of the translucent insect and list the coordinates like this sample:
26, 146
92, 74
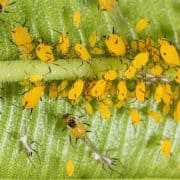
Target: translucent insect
78, 131
130, 72
22, 39
140, 91
32, 97
140, 60
158, 95
44, 52
156, 70
69, 168
76, 18
141, 24
166, 148
82, 52
169, 53
26, 144
136, 119
99, 88
177, 75
63, 45
89, 107
53, 91
115, 45
104, 111
176, 113
106, 5
76, 90
122, 90
155, 116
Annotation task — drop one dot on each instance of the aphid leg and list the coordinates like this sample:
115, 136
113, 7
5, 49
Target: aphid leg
37, 155
77, 140
114, 170
36, 143
116, 159
31, 110
88, 131
29, 157
158, 155
86, 124
70, 140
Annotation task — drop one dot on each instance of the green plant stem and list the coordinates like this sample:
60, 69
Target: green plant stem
15, 71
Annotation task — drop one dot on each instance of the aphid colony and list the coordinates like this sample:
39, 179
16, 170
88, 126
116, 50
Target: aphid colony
147, 61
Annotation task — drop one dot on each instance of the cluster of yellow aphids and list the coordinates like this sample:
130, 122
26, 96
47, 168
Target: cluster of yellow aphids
147, 61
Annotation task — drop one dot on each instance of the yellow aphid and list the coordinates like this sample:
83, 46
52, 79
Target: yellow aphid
62, 85
99, 88
87, 90
107, 101
76, 90
176, 93
169, 54
77, 129
63, 45
130, 72
158, 95
166, 147
89, 108
53, 91
104, 111
122, 91
163, 41
92, 40
156, 70
44, 53
141, 24
22, 39
35, 78
167, 94
69, 168
140, 60
97, 51
119, 104
134, 45
176, 114
177, 75
166, 109
155, 116
76, 18
136, 119
140, 91
32, 97
115, 45
110, 75
82, 52
155, 54
142, 45
106, 5
3, 4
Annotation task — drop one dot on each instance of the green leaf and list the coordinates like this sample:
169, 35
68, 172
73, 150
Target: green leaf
137, 148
